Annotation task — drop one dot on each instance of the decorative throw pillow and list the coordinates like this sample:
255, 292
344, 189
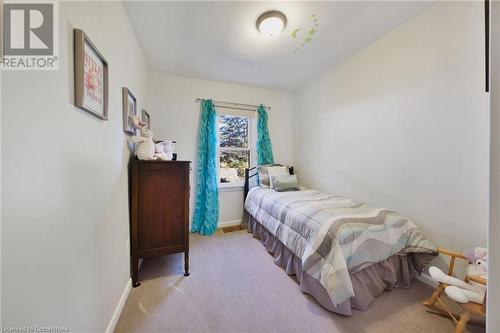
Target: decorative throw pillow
264, 175
285, 183
276, 171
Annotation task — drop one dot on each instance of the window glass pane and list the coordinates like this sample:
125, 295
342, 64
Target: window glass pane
233, 164
233, 131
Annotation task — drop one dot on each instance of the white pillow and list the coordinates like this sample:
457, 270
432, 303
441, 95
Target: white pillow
276, 171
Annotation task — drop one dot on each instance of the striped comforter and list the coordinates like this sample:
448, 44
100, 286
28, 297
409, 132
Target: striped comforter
334, 236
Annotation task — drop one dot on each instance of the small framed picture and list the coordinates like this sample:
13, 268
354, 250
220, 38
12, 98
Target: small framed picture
1, 32
129, 111
91, 77
146, 118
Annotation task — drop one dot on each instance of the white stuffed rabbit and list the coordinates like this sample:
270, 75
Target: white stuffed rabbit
459, 290
144, 145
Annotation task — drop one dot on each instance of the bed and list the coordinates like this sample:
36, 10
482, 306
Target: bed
343, 253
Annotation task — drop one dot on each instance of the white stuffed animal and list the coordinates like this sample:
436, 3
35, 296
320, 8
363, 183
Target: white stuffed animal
144, 145
166, 147
169, 147
459, 290
160, 152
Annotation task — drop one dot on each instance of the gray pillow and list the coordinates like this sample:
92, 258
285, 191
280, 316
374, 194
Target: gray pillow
286, 183
264, 175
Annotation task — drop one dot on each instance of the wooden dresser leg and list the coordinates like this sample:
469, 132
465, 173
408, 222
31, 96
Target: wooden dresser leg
186, 263
135, 272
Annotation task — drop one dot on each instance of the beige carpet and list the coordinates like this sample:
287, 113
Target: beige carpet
235, 287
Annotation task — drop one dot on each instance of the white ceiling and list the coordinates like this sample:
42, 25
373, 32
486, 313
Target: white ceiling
219, 40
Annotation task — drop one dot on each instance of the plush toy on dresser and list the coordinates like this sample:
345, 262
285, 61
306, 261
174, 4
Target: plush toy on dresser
144, 144
146, 148
168, 148
164, 150
160, 152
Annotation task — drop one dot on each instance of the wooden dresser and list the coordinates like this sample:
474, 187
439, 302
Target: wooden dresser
159, 211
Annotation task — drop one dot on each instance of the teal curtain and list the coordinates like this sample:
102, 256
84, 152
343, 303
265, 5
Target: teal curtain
264, 149
206, 211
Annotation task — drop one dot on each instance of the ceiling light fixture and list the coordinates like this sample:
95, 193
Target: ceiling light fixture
271, 23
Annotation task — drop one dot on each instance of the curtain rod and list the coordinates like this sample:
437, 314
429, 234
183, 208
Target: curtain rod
236, 106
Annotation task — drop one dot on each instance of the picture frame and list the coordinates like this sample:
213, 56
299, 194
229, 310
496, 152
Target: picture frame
91, 77
1, 32
146, 118
129, 110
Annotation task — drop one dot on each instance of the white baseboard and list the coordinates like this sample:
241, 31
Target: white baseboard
425, 278
228, 223
119, 308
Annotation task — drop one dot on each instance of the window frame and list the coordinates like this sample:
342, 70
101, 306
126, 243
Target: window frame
252, 134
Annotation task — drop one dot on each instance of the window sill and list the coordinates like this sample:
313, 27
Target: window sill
231, 187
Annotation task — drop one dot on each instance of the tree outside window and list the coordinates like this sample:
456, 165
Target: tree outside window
234, 148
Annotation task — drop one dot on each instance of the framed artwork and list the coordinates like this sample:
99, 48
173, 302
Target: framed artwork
1, 32
129, 110
146, 118
91, 77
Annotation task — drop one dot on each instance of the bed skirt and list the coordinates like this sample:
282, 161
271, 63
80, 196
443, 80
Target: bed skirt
395, 272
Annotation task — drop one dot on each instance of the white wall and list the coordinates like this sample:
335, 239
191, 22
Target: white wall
65, 229
404, 124
1, 200
175, 115
493, 307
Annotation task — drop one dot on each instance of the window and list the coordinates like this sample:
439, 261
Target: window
234, 148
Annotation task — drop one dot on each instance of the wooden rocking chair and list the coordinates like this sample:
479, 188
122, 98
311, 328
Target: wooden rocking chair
467, 308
